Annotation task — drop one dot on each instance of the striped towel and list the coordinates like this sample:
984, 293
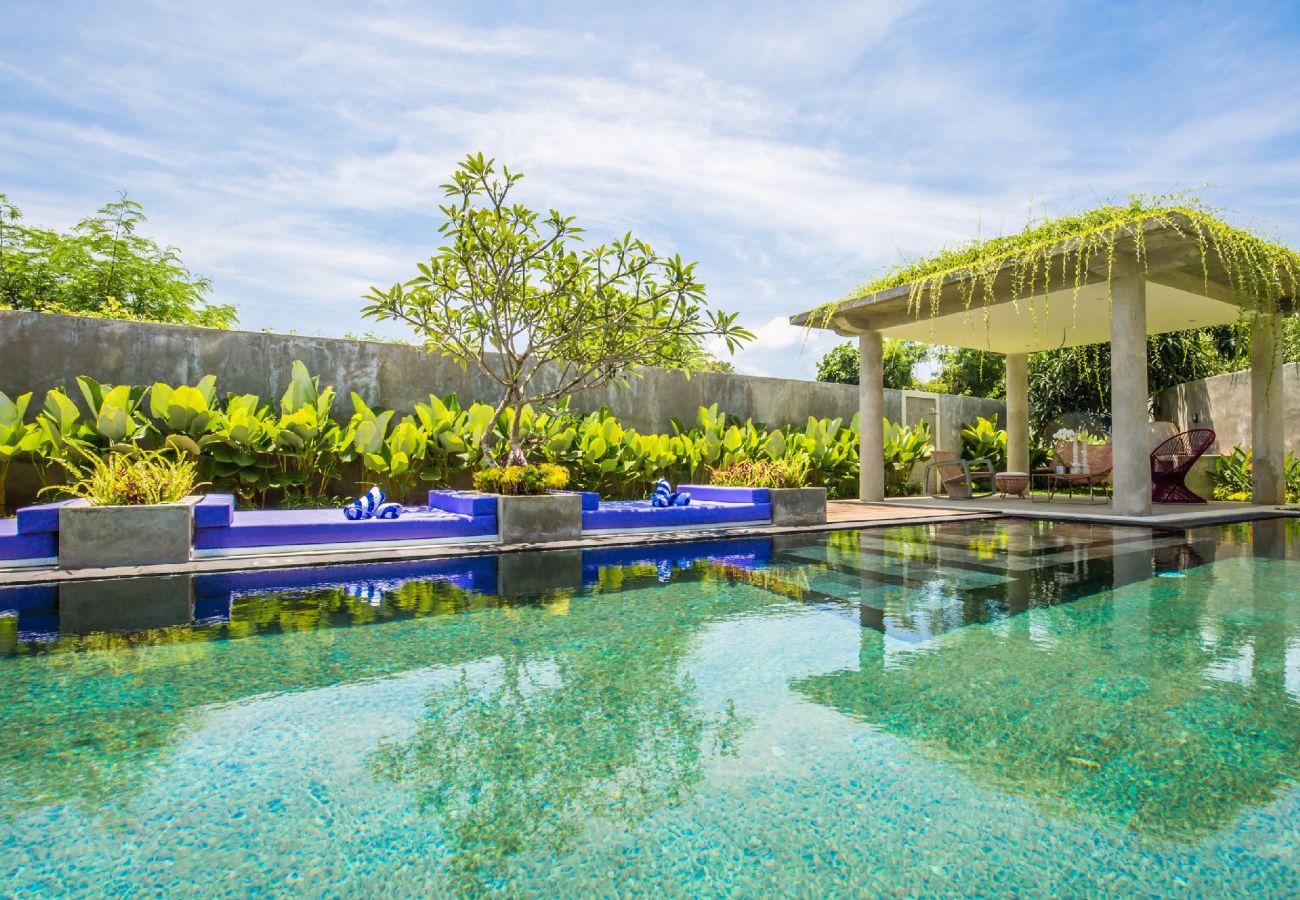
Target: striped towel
665, 496
366, 506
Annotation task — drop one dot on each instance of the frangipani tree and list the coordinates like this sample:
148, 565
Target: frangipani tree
508, 294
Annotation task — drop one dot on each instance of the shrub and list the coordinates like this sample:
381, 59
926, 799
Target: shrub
984, 440
1233, 474
903, 489
522, 480
132, 479
904, 448
781, 473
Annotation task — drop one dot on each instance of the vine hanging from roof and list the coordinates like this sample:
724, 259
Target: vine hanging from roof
1048, 254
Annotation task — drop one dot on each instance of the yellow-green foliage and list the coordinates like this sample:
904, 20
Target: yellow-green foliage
296, 453
1055, 253
516, 480
132, 479
781, 473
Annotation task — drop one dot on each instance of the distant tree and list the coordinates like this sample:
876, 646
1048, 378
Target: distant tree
507, 295
721, 366
102, 267
971, 373
1077, 379
842, 363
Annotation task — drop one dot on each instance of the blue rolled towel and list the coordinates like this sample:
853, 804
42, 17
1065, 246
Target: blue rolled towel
665, 496
365, 506
389, 511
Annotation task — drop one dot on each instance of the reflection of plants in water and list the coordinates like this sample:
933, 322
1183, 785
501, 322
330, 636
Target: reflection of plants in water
1161, 709
524, 759
89, 715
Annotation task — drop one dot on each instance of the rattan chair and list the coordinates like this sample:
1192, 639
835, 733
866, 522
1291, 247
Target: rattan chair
1172, 460
1101, 461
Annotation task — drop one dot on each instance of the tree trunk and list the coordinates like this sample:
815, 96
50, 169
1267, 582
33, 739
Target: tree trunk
516, 456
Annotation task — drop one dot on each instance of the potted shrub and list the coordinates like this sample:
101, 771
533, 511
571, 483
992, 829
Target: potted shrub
530, 509
793, 501
131, 509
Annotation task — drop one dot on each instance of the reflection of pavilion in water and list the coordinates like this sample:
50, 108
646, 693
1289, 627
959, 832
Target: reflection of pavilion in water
1169, 705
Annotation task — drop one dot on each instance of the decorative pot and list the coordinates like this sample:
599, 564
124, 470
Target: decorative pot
102, 537
798, 506
539, 518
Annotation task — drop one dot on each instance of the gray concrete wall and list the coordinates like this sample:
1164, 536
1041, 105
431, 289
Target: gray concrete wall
40, 351
1223, 404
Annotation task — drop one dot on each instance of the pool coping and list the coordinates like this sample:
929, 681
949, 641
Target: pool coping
376, 553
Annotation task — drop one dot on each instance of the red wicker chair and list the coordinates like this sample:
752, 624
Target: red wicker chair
1172, 460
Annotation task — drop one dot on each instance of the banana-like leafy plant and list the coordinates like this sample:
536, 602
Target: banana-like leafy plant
18, 437
115, 422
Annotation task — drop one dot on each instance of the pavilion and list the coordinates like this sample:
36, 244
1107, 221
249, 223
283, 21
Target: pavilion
1117, 275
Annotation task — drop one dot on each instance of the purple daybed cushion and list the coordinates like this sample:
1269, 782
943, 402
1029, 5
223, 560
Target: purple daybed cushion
269, 528
640, 514
464, 503
43, 518
719, 494
214, 511
16, 545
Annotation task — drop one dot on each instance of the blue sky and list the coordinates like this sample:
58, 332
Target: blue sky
293, 150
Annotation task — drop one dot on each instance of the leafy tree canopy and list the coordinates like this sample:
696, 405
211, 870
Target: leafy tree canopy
510, 294
841, 365
101, 267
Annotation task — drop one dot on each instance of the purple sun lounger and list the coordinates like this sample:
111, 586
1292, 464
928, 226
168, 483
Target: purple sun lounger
32, 535
219, 526
709, 506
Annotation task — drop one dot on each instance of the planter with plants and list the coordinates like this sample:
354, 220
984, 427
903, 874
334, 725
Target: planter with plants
793, 502
531, 508
131, 509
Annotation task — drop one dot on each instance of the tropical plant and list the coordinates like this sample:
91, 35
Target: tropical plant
905, 447
132, 479
102, 267
522, 480
982, 439
237, 447
1233, 476
185, 413
509, 296
18, 438
115, 421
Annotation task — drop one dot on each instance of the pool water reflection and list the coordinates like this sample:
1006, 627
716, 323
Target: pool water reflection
985, 706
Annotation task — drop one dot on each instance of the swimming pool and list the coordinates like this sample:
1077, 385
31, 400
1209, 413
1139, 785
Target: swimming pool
987, 706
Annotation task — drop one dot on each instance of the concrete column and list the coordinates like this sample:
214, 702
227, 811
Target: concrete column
1130, 433
871, 403
1267, 420
1017, 412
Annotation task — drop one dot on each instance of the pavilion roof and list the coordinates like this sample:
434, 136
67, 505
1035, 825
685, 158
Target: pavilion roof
1048, 285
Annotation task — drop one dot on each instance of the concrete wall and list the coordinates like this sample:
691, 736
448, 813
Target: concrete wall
40, 351
1223, 404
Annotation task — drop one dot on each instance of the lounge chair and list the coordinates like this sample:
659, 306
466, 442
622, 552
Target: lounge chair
1101, 461
219, 527
711, 505
958, 476
1172, 460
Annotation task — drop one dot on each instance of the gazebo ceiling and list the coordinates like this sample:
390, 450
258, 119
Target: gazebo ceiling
1186, 287
1064, 319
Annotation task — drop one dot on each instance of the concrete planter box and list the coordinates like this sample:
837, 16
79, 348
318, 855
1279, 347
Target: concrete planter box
100, 537
798, 506
540, 518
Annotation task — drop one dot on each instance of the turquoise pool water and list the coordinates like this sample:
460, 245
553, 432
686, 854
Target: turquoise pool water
987, 707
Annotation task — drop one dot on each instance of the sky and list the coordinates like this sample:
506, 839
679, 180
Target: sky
294, 151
